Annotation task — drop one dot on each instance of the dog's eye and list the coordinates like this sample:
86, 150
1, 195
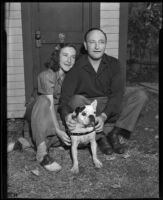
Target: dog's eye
84, 114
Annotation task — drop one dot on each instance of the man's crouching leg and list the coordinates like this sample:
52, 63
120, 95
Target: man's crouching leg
133, 102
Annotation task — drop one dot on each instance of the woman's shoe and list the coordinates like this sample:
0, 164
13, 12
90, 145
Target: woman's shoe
13, 146
18, 145
49, 164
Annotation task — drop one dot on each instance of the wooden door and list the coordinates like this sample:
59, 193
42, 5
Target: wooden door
51, 19
72, 19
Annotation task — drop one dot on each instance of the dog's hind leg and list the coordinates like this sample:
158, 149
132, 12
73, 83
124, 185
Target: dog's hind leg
96, 161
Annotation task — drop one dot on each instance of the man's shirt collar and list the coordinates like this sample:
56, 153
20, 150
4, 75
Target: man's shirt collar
88, 67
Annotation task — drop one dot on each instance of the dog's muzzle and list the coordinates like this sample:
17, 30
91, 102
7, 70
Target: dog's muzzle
92, 119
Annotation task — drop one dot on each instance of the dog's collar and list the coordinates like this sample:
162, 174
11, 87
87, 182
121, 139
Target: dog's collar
79, 134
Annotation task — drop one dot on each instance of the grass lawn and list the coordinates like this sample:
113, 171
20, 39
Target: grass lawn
132, 175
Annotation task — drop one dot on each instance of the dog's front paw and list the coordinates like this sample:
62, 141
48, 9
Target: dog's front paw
75, 170
97, 163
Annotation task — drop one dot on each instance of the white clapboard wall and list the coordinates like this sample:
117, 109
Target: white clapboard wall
15, 62
109, 22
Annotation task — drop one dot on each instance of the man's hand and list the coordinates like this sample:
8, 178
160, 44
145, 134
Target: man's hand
100, 122
71, 123
64, 137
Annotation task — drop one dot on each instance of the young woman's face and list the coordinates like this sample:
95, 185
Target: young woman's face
67, 58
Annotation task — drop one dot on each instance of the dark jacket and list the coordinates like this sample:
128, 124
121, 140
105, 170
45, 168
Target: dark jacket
83, 80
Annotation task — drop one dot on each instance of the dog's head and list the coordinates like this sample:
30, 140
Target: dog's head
86, 115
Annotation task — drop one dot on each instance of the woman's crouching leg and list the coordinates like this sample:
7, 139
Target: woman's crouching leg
41, 123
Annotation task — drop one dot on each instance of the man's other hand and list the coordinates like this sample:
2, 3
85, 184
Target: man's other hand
100, 120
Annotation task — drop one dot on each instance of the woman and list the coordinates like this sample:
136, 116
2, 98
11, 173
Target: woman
46, 128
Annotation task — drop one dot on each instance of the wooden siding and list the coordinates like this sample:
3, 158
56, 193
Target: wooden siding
109, 23
15, 62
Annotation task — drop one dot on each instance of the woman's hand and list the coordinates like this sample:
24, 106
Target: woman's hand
64, 137
71, 123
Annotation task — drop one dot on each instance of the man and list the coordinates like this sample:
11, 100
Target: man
98, 76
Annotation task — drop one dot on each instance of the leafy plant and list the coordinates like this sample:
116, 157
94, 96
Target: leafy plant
144, 23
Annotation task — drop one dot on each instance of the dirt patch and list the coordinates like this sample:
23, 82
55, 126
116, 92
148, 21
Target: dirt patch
132, 175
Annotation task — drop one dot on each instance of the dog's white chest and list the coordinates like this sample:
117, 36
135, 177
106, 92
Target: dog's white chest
85, 139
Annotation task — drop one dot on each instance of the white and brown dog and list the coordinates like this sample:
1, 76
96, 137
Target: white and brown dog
84, 133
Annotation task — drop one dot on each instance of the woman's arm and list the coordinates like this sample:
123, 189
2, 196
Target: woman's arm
46, 81
53, 112
63, 136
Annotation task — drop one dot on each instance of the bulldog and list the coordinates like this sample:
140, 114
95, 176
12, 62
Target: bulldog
84, 133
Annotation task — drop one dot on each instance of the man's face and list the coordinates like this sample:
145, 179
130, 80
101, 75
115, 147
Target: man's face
95, 44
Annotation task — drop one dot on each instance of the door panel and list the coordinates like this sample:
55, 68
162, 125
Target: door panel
72, 19
65, 12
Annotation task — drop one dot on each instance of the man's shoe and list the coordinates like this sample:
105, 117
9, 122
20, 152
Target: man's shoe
125, 133
104, 147
49, 164
113, 139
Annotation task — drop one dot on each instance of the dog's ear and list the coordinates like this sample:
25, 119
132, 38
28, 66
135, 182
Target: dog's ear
79, 109
94, 104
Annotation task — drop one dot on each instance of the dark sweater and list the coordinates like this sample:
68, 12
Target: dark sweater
83, 80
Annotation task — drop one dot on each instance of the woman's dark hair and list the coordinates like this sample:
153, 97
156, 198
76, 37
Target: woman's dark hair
53, 61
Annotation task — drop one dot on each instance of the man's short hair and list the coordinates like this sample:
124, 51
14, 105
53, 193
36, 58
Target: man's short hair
94, 29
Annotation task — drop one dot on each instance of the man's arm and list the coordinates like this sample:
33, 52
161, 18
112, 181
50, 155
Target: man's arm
114, 105
68, 90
